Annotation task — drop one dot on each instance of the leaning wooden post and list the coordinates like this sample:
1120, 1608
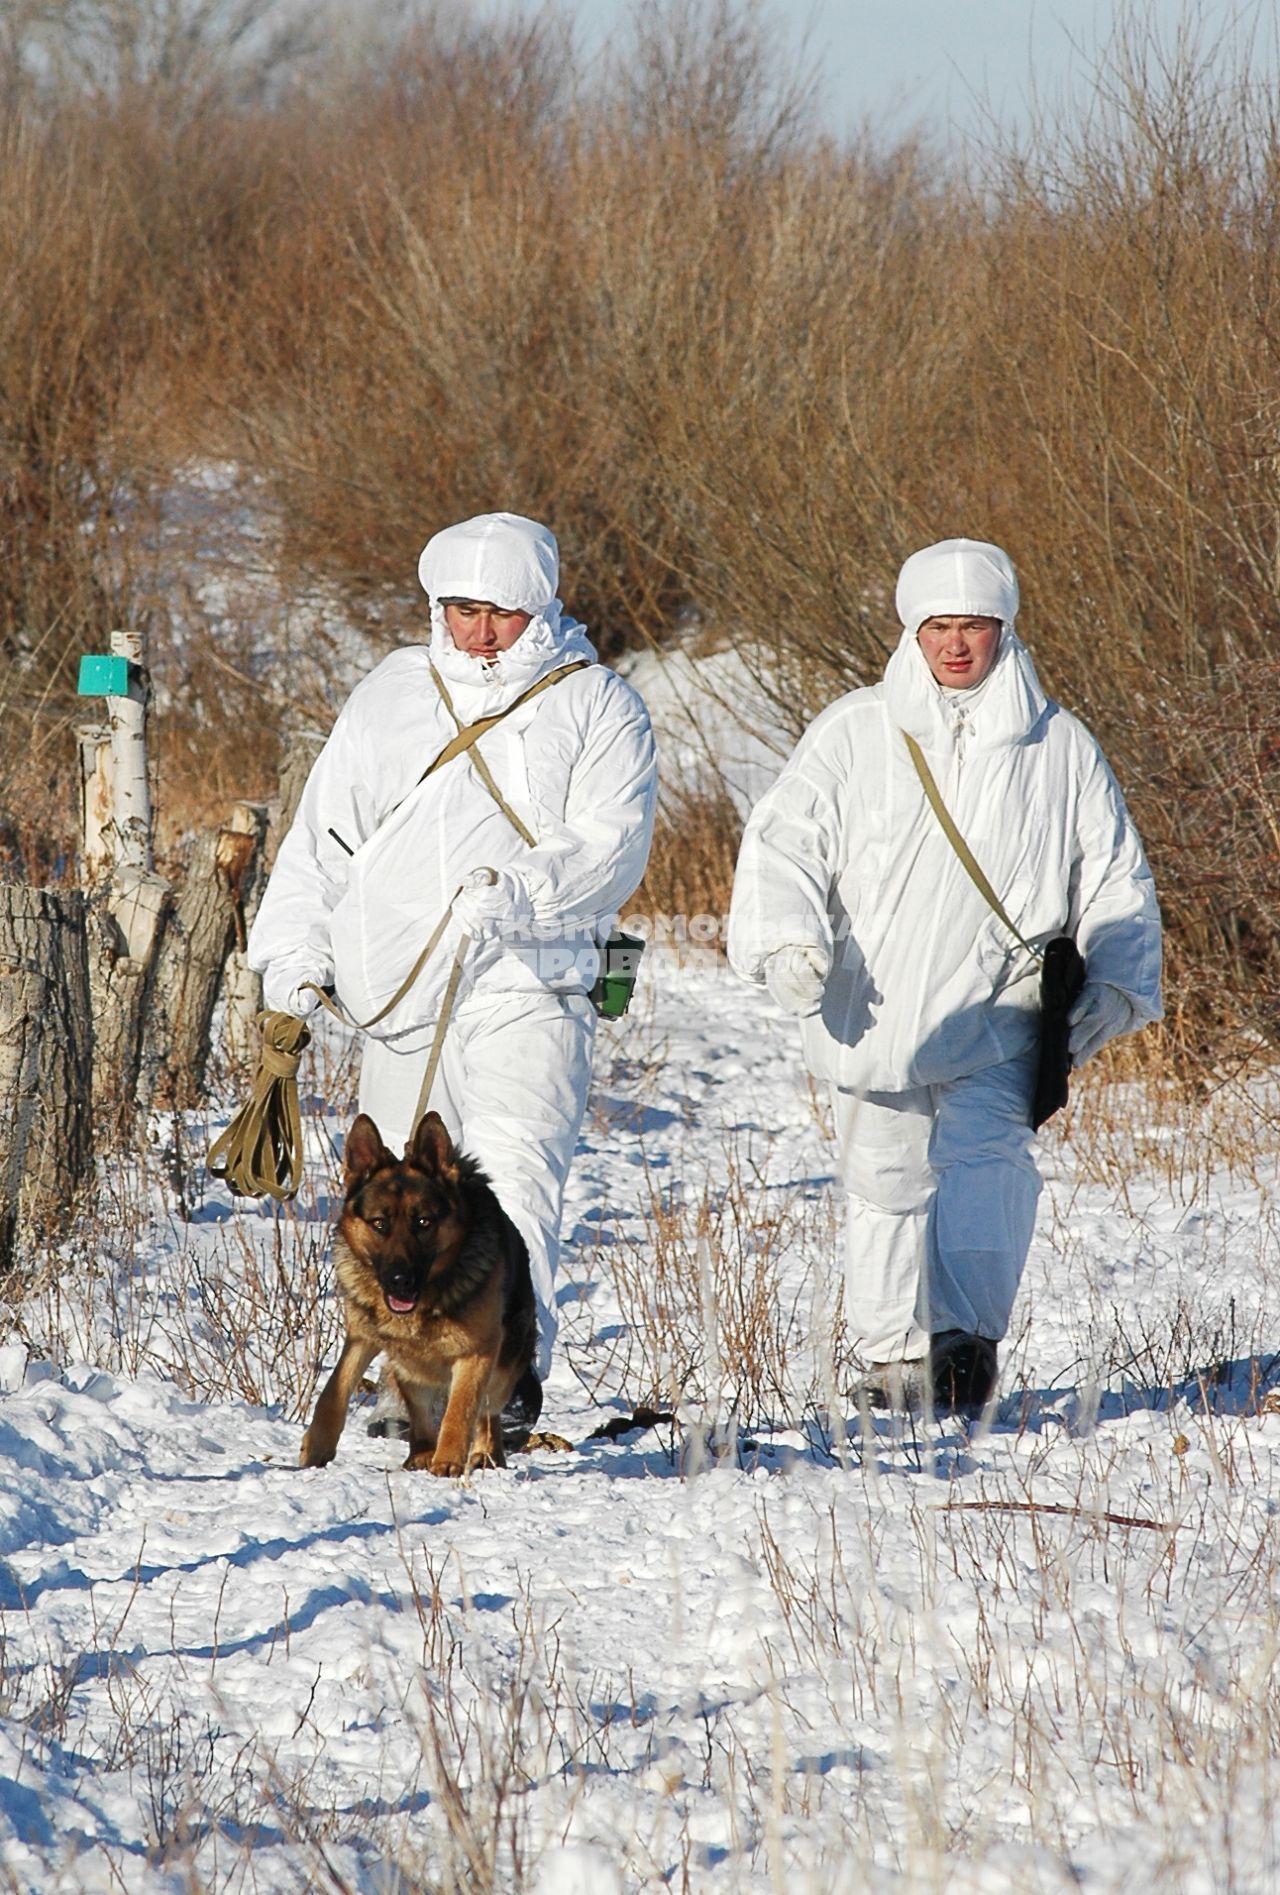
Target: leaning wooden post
242, 867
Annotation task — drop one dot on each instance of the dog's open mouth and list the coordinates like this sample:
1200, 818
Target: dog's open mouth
400, 1305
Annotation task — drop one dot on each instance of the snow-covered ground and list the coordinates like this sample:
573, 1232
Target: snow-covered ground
771, 1644
775, 1647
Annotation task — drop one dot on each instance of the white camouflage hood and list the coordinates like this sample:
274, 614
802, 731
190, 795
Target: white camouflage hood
962, 578
513, 563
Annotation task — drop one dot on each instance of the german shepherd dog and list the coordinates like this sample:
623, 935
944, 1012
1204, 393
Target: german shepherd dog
436, 1276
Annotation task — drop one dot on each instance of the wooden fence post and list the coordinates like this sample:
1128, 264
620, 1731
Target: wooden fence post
127, 899
125, 920
46, 1041
157, 961
243, 860
205, 923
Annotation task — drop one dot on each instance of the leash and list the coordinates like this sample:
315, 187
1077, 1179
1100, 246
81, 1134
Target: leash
260, 1153
330, 1005
446, 1005
446, 1012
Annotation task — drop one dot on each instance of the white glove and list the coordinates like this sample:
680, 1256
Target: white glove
1099, 1014
796, 977
485, 907
282, 993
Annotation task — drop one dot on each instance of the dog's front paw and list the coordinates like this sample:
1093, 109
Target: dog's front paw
447, 1466
316, 1452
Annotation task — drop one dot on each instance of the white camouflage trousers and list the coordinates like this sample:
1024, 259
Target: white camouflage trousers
940, 1189
511, 1088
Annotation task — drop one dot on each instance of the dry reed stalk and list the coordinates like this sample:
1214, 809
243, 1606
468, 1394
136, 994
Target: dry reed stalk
730, 361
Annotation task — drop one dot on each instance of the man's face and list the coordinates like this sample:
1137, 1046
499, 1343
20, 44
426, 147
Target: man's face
482, 629
959, 651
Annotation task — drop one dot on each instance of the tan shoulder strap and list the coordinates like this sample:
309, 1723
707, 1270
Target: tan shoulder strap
468, 733
465, 740
960, 846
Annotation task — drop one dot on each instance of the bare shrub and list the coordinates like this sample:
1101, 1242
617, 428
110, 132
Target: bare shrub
65, 343
253, 1317
114, 226
731, 362
1208, 780
695, 847
728, 1296
113, 46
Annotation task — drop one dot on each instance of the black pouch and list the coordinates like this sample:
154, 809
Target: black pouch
1061, 978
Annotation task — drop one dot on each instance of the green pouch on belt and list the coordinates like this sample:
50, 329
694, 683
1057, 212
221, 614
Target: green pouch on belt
616, 981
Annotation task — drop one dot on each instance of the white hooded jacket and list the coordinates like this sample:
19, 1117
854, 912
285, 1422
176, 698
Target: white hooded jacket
375, 855
844, 856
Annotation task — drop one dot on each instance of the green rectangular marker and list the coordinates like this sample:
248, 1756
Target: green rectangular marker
103, 677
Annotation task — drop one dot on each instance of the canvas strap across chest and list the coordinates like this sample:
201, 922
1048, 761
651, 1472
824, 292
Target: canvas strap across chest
967, 858
466, 737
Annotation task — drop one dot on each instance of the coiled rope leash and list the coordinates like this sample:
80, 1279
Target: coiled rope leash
271, 1117
272, 1109
260, 1153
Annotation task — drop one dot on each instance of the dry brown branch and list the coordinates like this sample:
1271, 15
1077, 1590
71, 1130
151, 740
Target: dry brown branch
1057, 1507
734, 364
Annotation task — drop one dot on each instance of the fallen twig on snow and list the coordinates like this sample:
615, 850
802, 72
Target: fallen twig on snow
1058, 1507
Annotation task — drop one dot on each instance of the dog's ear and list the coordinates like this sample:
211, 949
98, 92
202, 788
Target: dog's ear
432, 1146
364, 1151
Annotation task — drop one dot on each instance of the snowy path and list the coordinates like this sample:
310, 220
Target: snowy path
918, 1661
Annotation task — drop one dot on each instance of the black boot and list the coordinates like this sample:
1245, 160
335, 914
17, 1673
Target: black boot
963, 1368
521, 1412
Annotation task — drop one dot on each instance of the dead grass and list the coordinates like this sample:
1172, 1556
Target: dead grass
1148, 1107
718, 1321
730, 361
690, 872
